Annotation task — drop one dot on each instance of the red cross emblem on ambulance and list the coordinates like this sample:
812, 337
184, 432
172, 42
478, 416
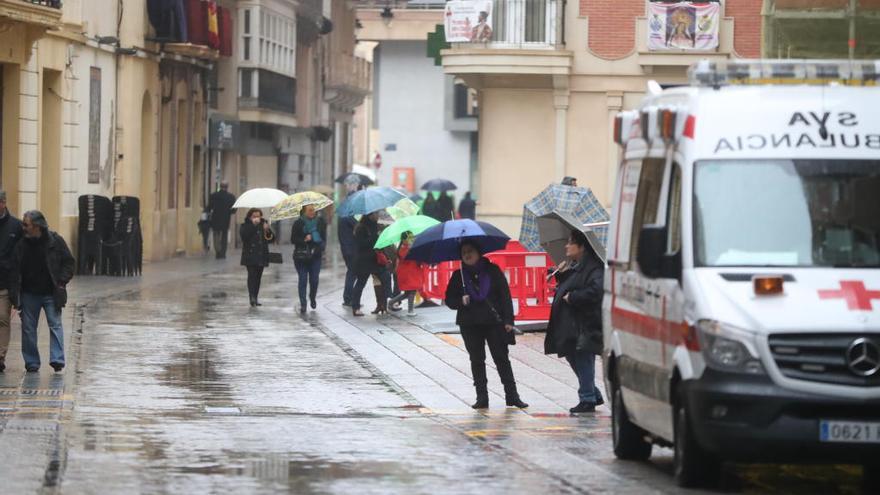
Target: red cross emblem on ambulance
857, 296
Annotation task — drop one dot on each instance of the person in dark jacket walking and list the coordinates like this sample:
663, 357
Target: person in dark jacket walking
220, 208
10, 233
481, 296
42, 266
575, 327
255, 238
445, 207
468, 207
345, 232
308, 236
367, 263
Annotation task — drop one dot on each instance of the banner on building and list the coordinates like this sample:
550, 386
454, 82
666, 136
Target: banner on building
468, 21
683, 26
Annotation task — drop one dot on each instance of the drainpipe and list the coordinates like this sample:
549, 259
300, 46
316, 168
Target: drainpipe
118, 127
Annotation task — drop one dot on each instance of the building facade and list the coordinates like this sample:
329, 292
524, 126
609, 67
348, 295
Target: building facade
551, 79
424, 123
160, 100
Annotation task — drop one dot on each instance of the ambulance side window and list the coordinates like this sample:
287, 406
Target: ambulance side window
647, 200
674, 211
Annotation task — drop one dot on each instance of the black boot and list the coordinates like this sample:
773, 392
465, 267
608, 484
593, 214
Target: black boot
482, 399
253, 302
515, 401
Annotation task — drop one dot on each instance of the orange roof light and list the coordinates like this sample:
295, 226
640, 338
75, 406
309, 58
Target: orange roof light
767, 285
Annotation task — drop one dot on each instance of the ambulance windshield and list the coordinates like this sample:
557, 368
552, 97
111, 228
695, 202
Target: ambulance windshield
810, 213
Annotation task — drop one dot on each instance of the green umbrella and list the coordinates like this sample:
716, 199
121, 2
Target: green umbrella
415, 224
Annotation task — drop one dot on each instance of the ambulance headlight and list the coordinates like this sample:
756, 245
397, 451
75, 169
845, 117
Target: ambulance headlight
728, 348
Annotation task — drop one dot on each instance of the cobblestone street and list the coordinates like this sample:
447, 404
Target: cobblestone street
174, 385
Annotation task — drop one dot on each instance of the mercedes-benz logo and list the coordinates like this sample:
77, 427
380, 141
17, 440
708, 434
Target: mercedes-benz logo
863, 357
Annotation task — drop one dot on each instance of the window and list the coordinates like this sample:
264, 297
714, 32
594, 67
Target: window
94, 175
247, 83
647, 200
269, 40
814, 213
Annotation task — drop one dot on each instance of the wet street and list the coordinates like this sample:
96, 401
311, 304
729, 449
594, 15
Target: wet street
175, 385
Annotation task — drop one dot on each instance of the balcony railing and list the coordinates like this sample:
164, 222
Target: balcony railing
349, 72
54, 4
263, 89
525, 24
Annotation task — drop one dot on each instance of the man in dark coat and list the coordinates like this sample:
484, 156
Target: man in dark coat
220, 209
575, 327
468, 207
445, 207
10, 233
345, 232
42, 266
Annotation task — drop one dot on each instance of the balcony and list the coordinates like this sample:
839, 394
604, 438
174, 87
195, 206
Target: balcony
348, 81
527, 40
267, 97
37, 16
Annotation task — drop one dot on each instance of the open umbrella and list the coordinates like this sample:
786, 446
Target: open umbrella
578, 202
369, 200
443, 242
403, 208
415, 224
290, 206
261, 197
554, 230
354, 178
439, 185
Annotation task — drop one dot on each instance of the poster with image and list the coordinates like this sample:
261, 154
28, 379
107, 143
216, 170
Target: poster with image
468, 21
683, 26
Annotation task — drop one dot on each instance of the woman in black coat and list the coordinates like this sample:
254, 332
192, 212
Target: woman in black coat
255, 237
575, 327
367, 263
308, 236
485, 315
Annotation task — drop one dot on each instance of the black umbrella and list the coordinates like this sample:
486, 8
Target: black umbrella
354, 178
439, 185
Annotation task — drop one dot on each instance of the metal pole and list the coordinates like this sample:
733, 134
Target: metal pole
852, 29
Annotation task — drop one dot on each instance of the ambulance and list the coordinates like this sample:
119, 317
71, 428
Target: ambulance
742, 307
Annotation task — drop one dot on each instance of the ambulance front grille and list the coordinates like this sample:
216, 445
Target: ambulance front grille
824, 358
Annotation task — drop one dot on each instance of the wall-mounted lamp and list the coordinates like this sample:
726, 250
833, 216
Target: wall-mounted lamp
387, 15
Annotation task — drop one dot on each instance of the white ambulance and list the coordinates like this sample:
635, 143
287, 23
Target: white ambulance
742, 306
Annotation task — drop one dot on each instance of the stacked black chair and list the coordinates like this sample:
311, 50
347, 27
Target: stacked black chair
128, 259
95, 228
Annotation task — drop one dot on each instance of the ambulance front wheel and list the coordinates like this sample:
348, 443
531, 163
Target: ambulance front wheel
630, 441
694, 466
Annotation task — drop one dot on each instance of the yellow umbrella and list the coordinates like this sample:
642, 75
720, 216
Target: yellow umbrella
293, 204
403, 208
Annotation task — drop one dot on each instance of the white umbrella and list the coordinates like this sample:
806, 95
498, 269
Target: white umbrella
360, 169
261, 197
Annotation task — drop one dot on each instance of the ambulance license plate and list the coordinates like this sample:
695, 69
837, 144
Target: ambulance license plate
849, 431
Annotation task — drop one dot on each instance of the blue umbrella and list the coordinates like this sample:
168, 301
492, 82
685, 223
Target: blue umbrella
369, 200
443, 242
439, 185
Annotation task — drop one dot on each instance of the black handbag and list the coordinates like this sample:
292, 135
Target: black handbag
304, 252
275, 258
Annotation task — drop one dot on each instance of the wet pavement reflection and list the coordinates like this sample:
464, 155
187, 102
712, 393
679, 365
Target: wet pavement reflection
181, 387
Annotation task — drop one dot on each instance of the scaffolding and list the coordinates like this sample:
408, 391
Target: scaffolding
821, 29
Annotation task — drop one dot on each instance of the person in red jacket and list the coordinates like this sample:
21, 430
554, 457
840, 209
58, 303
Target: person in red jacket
409, 276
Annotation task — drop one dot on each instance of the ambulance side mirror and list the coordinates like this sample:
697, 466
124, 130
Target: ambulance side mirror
651, 256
